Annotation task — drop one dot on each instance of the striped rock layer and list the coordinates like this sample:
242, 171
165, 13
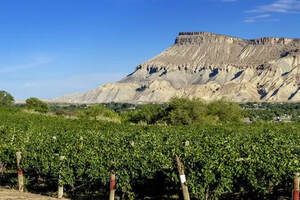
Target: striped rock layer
209, 66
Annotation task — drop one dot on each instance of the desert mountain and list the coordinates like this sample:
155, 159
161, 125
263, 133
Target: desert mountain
209, 66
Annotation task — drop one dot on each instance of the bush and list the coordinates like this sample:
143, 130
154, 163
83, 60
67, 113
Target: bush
6, 99
185, 111
225, 111
99, 112
149, 113
37, 105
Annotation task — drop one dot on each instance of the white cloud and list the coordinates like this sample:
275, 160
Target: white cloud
279, 6
37, 62
260, 18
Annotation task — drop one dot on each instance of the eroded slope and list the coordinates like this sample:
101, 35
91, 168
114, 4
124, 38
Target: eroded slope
209, 66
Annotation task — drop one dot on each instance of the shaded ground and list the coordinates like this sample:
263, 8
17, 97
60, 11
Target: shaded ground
8, 194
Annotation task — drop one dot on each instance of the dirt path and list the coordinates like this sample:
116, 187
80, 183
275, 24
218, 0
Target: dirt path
6, 194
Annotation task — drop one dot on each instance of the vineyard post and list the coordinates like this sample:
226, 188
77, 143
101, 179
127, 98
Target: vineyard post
60, 182
20, 172
207, 193
296, 186
112, 185
185, 191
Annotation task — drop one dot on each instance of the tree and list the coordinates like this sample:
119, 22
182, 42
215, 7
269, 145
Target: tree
187, 111
226, 111
6, 99
99, 112
149, 113
37, 105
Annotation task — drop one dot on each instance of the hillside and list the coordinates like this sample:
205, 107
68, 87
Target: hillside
209, 66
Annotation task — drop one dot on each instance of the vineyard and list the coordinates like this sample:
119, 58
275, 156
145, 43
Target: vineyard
255, 161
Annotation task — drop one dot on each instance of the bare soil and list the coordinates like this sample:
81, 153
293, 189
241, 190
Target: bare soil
9, 194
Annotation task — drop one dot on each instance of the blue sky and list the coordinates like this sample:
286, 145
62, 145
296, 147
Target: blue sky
53, 47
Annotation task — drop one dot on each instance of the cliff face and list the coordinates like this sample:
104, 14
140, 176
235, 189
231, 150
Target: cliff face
209, 66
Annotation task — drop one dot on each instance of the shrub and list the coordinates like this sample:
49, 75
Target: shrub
185, 111
99, 112
225, 111
6, 99
149, 113
37, 105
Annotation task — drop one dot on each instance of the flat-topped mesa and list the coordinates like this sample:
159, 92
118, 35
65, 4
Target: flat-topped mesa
272, 41
201, 33
196, 38
210, 66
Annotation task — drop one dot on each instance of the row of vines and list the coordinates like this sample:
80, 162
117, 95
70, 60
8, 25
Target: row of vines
256, 160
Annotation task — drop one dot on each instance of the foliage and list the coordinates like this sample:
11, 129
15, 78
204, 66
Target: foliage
256, 160
6, 99
149, 114
37, 105
225, 111
272, 111
185, 111
119, 107
66, 109
98, 112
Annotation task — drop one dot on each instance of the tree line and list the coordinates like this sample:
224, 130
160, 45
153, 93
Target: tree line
178, 110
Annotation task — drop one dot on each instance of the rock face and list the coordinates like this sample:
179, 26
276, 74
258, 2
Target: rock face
209, 66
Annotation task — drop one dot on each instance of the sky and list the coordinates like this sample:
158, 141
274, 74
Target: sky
49, 48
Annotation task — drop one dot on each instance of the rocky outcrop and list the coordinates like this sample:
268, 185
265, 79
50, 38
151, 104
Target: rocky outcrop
209, 66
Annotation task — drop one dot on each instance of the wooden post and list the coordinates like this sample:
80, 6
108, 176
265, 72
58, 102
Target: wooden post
296, 186
60, 191
60, 182
112, 185
20, 172
207, 193
185, 191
